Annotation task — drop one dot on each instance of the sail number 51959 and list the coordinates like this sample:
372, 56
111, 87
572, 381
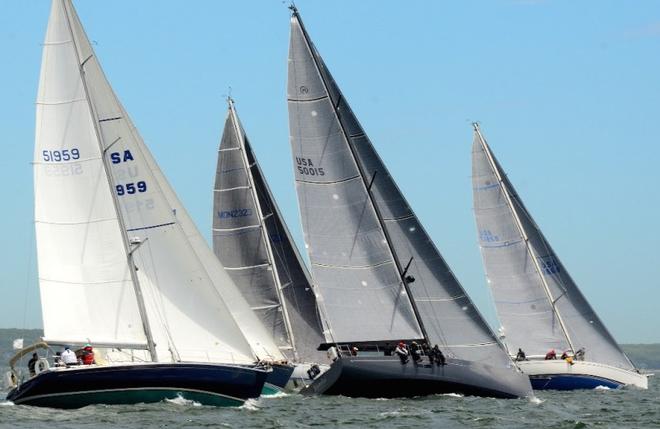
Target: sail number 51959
60, 155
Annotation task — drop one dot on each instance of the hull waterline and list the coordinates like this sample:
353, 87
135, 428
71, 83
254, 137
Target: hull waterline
208, 384
387, 377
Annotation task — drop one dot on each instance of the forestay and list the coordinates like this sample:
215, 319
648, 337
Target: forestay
189, 319
323, 126
524, 289
252, 241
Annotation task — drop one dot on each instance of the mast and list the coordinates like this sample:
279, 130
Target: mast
103, 148
381, 222
264, 231
523, 234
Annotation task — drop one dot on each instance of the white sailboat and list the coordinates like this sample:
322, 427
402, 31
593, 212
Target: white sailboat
253, 243
539, 305
121, 265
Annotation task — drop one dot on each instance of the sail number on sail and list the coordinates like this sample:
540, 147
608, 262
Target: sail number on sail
127, 188
60, 155
306, 167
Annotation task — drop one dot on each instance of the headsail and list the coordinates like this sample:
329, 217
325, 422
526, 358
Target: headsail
335, 163
87, 290
251, 240
539, 305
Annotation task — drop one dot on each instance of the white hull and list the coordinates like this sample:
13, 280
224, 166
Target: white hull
579, 374
300, 379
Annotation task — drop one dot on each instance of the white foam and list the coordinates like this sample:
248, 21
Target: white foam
180, 400
601, 388
278, 394
6, 404
250, 405
535, 400
452, 395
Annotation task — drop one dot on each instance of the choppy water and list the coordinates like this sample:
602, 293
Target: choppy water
626, 408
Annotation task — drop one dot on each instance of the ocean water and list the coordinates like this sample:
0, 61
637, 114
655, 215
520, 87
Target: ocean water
599, 408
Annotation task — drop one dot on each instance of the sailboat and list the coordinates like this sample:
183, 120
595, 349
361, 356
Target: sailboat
539, 305
253, 243
380, 278
122, 268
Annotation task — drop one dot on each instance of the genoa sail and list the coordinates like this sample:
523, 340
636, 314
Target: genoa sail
336, 168
107, 226
538, 303
252, 241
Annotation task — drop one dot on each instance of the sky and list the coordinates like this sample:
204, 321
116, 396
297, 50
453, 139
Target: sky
566, 94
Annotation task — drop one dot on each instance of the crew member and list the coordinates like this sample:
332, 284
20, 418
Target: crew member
88, 355
521, 355
69, 357
32, 363
438, 356
402, 351
551, 355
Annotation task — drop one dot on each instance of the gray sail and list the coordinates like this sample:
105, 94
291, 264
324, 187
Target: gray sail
359, 282
275, 284
526, 277
447, 313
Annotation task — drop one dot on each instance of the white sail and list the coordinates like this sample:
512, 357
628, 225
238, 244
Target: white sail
189, 317
538, 303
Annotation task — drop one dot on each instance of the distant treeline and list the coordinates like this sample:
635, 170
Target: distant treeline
645, 356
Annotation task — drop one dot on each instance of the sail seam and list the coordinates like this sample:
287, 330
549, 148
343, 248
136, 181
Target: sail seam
231, 189
333, 182
247, 267
86, 283
237, 228
55, 103
453, 298
351, 267
308, 100
151, 226
85, 222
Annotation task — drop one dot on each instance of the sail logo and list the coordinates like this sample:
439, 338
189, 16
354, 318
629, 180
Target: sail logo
487, 236
549, 265
229, 214
306, 167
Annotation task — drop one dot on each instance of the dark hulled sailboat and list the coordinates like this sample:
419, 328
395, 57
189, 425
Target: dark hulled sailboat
379, 275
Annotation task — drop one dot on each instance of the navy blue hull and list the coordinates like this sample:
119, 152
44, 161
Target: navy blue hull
126, 384
570, 382
277, 378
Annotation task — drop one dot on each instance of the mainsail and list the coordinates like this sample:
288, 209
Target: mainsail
360, 231
253, 243
116, 264
539, 305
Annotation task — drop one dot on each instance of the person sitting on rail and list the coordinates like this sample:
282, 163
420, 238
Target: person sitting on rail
414, 352
88, 355
521, 355
551, 355
402, 351
438, 356
69, 357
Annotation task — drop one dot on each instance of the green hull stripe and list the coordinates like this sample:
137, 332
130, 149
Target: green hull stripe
128, 396
270, 389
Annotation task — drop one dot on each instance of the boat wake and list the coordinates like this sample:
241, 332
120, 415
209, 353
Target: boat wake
180, 400
453, 395
279, 394
535, 400
250, 405
6, 404
602, 388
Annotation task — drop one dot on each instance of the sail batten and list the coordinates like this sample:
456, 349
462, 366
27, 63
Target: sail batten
539, 305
